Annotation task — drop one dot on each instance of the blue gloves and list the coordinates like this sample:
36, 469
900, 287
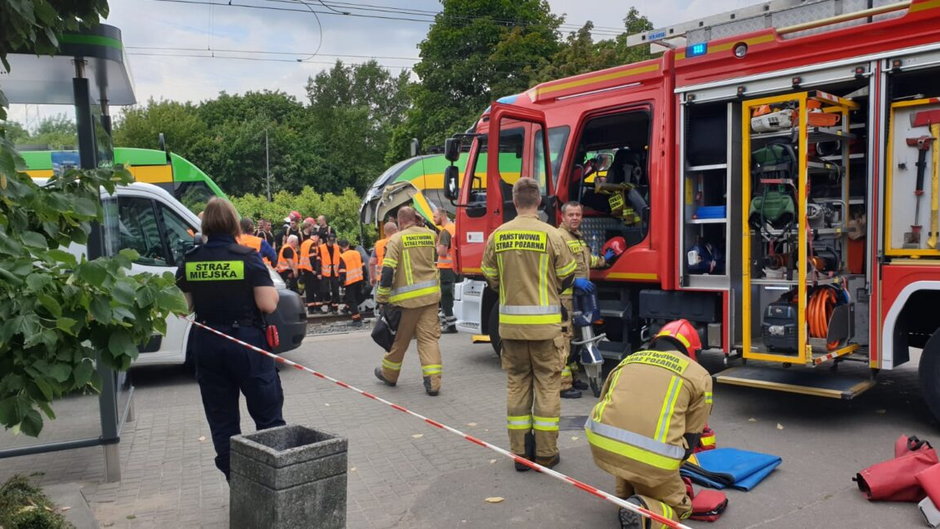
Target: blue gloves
610, 256
584, 285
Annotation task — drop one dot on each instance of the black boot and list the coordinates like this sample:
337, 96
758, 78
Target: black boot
380, 376
632, 520
570, 393
579, 384
427, 387
529, 452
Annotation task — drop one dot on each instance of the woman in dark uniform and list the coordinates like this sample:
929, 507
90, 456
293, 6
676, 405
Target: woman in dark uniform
228, 287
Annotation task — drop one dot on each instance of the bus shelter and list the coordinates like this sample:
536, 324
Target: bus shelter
89, 73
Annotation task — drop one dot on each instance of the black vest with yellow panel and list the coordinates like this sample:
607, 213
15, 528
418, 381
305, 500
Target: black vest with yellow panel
217, 277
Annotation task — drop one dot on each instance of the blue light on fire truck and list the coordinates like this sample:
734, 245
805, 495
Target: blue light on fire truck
696, 49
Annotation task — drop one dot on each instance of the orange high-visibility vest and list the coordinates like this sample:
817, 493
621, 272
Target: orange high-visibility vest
352, 266
252, 242
284, 264
380, 252
306, 262
329, 260
447, 261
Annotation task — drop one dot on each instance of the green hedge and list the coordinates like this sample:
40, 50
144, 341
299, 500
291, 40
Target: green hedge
341, 210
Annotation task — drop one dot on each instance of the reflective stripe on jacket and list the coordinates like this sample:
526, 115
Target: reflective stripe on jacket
647, 404
351, 266
526, 261
380, 253
329, 260
447, 260
306, 258
415, 281
583, 257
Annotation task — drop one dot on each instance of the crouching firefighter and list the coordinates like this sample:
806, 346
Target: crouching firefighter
651, 413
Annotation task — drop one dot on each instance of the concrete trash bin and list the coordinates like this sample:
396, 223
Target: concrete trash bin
288, 476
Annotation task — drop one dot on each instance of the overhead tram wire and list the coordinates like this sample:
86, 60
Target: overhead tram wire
258, 59
320, 29
432, 13
264, 52
427, 18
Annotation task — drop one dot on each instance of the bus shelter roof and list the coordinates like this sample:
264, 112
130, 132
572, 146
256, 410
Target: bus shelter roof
48, 79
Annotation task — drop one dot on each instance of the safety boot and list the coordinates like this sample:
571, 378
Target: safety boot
429, 389
632, 520
380, 376
579, 384
449, 329
529, 452
570, 393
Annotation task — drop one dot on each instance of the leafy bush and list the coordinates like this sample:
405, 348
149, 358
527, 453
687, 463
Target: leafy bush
60, 314
24, 506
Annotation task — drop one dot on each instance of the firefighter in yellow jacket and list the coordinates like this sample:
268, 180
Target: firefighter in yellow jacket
651, 413
528, 263
410, 282
571, 215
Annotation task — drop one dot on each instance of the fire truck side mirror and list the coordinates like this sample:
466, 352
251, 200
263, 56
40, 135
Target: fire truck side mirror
452, 149
450, 182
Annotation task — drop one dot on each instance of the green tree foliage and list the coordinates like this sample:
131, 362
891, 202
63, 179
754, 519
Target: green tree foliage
475, 51
580, 53
32, 25
141, 127
54, 132
354, 109
341, 209
60, 314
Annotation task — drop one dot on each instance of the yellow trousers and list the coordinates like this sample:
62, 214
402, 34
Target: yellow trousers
533, 373
667, 498
421, 323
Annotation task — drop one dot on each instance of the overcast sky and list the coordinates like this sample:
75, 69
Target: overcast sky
281, 46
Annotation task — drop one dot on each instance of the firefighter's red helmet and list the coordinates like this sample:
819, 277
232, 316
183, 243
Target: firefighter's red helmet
682, 332
617, 244
294, 215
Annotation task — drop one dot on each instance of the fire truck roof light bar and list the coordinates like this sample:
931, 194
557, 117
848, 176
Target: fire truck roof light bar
755, 18
679, 30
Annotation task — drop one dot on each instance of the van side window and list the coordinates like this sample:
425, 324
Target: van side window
179, 234
139, 231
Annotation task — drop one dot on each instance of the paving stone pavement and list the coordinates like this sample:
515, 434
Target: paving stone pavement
403, 473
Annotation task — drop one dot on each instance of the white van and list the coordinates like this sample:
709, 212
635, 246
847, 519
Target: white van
161, 229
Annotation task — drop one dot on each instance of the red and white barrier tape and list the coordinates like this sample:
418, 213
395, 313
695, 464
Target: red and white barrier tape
531, 464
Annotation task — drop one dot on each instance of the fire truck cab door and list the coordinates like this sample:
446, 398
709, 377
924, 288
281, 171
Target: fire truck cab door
523, 151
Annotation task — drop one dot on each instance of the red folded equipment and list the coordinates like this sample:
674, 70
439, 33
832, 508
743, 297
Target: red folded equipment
929, 480
894, 480
707, 505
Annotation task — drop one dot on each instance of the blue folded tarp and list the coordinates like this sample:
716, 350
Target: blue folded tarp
730, 467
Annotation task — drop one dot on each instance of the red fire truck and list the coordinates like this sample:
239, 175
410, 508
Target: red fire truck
777, 186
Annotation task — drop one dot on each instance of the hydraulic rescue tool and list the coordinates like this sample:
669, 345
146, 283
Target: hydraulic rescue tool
929, 118
589, 355
912, 238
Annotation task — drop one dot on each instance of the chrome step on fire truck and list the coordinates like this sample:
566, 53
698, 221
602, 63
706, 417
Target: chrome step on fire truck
775, 177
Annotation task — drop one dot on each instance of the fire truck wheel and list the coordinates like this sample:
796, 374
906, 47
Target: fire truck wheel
493, 328
929, 371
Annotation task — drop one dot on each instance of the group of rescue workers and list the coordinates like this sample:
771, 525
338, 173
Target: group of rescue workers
653, 406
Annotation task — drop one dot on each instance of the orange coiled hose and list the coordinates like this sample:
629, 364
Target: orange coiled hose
818, 312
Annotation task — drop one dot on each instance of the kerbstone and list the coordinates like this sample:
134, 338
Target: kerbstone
288, 476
